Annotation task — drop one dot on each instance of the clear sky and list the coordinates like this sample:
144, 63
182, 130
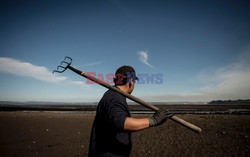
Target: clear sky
182, 50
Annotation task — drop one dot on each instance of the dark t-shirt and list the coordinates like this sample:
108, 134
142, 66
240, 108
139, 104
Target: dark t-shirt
108, 137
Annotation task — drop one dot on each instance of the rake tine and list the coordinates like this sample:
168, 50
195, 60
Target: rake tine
61, 67
58, 71
64, 62
67, 61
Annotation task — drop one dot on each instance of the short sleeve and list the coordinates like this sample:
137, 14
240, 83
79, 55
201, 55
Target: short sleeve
118, 113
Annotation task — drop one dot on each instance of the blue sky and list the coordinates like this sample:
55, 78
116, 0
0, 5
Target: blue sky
201, 48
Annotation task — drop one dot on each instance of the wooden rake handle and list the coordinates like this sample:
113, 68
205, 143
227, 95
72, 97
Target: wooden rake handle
131, 97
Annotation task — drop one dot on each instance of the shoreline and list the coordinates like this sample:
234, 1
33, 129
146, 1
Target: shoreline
135, 109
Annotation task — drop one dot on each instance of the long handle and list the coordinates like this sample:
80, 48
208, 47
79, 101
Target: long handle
131, 97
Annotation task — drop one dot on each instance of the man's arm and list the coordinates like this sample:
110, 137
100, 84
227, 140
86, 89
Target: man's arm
136, 124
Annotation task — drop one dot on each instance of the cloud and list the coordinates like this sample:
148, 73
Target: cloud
191, 97
143, 56
89, 64
26, 69
228, 82
94, 63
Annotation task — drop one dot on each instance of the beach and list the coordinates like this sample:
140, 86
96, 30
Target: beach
66, 134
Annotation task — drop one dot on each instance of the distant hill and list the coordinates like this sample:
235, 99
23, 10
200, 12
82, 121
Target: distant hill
86, 103
230, 102
28, 103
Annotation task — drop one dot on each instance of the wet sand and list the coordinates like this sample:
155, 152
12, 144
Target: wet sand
62, 134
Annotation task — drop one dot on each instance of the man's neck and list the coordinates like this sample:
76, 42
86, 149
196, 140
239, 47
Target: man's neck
123, 88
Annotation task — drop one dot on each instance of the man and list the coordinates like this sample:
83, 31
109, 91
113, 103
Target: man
113, 124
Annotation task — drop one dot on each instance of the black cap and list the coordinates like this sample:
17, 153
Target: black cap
127, 72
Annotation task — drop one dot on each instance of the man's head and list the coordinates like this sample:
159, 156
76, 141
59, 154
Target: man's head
125, 78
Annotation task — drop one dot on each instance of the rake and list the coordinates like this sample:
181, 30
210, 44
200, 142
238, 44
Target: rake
66, 64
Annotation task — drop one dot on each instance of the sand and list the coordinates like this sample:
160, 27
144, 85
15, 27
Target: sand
57, 134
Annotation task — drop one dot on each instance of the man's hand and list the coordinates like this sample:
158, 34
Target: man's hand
159, 117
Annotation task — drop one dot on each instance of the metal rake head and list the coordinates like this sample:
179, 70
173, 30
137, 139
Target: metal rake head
64, 65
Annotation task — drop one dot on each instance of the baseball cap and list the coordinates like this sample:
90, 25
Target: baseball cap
127, 72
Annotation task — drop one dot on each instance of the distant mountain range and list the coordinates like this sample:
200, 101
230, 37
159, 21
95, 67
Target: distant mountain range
40, 103
215, 107
45, 103
230, 102
28, 103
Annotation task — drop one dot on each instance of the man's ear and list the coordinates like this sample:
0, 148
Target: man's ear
131, 82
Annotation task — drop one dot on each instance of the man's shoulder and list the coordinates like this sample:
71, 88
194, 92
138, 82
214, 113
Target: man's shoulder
113, 100
113, 95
